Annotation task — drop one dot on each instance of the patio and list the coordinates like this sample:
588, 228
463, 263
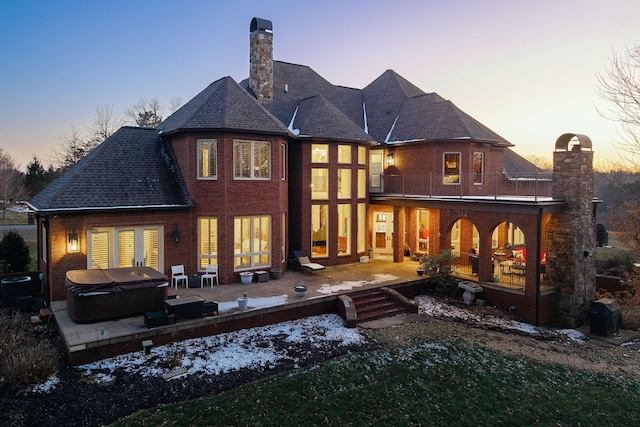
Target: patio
269, 302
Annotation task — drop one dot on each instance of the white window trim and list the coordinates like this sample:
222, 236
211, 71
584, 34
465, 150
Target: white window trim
213, 145
252, 161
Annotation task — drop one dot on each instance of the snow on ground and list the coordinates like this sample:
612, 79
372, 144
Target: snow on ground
231, 351
254, 302
329, 288
436, 308
255, 347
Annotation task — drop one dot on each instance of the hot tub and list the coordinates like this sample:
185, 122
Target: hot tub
98, 295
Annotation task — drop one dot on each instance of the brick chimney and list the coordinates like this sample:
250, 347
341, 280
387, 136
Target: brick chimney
261, 59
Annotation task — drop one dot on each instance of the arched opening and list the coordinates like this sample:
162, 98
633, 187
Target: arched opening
464, 243
510, 249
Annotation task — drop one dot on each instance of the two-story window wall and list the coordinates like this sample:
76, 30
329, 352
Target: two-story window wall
251, 160
207, 159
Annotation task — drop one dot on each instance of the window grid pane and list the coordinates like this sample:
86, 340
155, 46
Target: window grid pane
252, 242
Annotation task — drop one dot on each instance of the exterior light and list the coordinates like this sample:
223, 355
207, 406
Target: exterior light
73, 242
390, 159
176, 234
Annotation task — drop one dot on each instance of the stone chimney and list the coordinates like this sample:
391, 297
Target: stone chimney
571, 234
261, 59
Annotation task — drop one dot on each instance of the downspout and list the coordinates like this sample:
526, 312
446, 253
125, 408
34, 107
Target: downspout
539, 246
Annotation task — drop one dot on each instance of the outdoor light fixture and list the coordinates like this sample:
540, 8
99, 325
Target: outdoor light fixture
176, 234
390, 159
73, 241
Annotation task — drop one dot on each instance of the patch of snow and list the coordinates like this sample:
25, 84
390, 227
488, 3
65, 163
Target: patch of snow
228, 352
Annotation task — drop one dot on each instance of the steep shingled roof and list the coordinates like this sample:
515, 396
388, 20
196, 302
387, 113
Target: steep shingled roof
312, 116
223, 105
131, 169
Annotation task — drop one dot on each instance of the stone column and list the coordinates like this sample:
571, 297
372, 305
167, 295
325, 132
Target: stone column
571, 235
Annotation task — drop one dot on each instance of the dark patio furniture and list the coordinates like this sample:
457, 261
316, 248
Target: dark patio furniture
155, 318
189, 307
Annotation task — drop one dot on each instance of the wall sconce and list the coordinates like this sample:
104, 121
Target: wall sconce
390, 160
73, 241
176, 234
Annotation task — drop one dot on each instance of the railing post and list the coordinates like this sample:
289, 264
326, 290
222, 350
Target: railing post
535, 186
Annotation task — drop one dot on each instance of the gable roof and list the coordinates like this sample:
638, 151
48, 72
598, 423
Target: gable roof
223, 105
131, 169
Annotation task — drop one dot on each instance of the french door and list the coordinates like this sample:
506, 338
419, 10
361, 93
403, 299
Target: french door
138, 247
125, 247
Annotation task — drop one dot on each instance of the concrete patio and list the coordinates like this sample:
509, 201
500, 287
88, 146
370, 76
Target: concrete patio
269, 302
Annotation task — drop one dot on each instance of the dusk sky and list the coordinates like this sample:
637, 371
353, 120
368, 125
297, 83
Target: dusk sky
526, 69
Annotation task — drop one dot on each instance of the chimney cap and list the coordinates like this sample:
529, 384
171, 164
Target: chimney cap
259, 24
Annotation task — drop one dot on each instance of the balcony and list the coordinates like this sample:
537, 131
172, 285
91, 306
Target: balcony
535, 186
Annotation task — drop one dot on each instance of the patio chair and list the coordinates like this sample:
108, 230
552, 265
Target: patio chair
177, 276
506, 275
304, 263
210, 275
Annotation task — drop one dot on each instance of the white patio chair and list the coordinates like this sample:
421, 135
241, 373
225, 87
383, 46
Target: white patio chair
177, 276
210, 274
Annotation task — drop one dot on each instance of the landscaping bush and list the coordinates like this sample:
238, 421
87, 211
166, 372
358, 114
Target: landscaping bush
14, 253
438, 271
25, 359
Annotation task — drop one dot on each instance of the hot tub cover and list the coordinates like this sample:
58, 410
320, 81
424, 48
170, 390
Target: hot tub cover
95, 295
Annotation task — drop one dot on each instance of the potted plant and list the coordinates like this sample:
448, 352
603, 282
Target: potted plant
243, 301
246, 277
300, 290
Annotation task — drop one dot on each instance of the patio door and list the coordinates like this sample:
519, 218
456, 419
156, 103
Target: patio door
138, 247
383, 232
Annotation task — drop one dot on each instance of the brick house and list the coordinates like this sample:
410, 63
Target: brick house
245, 173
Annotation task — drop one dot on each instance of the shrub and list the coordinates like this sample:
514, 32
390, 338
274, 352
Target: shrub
25, 359
14, 252
438, 270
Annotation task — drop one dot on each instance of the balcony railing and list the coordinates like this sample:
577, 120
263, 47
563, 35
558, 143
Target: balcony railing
490, 185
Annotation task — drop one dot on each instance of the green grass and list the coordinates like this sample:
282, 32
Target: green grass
14, 218
428, 385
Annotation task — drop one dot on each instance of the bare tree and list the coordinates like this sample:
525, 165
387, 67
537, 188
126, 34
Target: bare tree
105, 123
619, 85
174, 104
73, 147
146, 114
12, 190
540, 162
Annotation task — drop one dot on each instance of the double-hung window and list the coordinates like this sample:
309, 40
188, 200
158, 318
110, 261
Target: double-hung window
207, 159
251, 160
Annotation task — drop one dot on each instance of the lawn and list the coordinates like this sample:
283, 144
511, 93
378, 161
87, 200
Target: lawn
424, 384
13, 218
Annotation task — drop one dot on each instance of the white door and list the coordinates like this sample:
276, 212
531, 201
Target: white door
138, 247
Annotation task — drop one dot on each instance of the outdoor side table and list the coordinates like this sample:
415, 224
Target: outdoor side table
189, 307
262, 276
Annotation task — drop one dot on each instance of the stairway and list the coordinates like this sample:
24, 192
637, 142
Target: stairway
377, 304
